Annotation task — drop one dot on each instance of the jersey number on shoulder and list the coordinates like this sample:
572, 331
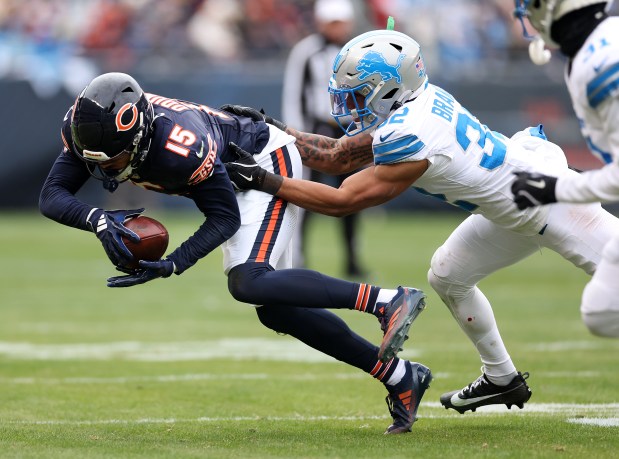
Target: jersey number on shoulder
179, 137
469, 130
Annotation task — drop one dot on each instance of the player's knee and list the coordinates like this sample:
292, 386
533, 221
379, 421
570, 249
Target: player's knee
237, 286
437, 284
448, 289
441, 287
246, 283
241, 281
271, 318
602, 323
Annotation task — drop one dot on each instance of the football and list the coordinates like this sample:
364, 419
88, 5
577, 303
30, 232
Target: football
153, 243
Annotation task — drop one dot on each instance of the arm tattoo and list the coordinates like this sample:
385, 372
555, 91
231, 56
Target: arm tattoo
333, 156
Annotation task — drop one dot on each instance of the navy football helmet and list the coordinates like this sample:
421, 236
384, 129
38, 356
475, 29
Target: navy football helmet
112, 117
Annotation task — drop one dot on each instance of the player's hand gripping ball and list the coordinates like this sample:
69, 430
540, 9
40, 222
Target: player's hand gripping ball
153, 243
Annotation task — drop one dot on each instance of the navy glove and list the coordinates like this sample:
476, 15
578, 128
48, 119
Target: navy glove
244, 172
252, 113
109, 228
532, 189
147, 271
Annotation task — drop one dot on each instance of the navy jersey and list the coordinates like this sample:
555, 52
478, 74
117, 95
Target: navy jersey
192, 141
186, 157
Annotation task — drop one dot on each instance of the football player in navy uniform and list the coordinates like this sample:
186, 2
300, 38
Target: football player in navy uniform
116, 132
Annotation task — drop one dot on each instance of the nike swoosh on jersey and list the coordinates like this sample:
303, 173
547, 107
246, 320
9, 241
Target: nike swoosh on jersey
597, 68
200, 153
541, 184
385, 137
457, 401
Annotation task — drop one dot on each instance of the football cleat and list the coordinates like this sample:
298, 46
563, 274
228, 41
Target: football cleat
482, 392
404, 398
396, 319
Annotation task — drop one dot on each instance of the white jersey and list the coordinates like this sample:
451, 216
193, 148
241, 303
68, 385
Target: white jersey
592, 80
471, 166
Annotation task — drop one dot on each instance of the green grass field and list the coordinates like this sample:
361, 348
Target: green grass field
177, 368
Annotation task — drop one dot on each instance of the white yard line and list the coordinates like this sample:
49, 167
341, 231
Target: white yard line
181, 378
539, 408
280, 349
188, 377
598, 422
571, 409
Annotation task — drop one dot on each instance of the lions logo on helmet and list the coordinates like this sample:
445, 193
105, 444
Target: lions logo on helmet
373, 75
374, 62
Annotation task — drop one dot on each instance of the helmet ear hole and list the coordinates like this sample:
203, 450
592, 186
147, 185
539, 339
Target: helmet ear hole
390, 94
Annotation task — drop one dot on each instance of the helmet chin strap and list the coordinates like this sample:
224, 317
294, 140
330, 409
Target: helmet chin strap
537, 51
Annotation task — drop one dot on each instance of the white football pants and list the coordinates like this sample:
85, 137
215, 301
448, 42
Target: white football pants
479, 247
267, 222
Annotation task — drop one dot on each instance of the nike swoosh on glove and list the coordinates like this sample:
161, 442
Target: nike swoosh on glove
533, 189
244, 172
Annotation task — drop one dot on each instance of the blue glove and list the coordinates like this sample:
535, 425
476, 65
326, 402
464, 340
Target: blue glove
109, 228
147, 271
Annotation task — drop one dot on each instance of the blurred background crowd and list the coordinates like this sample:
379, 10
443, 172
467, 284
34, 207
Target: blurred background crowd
56, 43
235, 51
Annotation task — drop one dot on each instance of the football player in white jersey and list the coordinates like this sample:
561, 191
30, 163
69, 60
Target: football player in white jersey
589, 39
417, 134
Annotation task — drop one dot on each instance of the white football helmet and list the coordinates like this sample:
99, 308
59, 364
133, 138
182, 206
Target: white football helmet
542, 14
373, 75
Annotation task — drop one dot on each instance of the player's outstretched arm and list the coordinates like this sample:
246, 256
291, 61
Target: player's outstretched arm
333, 156
369, 187
318, 152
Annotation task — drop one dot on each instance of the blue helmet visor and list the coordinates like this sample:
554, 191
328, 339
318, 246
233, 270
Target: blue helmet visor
350, 108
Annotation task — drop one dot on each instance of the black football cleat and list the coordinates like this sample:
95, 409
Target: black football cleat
398, 316
482, 392
404, 398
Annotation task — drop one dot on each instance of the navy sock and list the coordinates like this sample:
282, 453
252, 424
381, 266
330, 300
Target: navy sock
329, 334
260, 284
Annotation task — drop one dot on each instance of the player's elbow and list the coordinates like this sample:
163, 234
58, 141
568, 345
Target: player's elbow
339, 212
341, 208
46, 206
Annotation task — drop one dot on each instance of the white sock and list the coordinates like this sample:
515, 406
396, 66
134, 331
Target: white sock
476, 318
385, 295
397, 375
